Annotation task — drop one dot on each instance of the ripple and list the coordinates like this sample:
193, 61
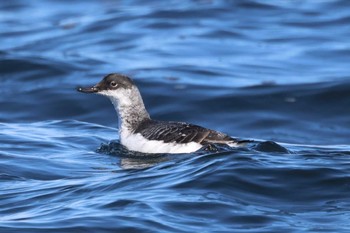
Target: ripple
272, 71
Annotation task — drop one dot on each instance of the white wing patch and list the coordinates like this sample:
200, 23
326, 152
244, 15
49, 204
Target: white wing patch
136, 142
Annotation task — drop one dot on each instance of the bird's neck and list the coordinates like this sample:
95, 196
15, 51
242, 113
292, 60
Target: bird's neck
130, 108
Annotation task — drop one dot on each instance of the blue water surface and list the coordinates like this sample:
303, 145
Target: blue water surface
273, 71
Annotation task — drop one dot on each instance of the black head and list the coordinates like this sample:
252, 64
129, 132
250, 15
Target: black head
109, 82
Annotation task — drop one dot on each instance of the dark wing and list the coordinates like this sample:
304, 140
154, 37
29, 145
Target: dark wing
181, 133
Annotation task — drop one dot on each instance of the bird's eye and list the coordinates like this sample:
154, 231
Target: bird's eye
113, 84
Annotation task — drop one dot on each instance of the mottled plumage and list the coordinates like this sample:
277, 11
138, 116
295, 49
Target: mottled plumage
139, 132
180, 132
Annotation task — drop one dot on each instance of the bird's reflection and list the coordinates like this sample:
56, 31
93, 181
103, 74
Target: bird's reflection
141, 163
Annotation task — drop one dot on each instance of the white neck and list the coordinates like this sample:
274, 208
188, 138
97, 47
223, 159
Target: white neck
130, 108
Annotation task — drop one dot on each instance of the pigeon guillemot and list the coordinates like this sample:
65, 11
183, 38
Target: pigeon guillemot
138, 132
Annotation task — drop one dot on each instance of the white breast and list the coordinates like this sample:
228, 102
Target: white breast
136, 142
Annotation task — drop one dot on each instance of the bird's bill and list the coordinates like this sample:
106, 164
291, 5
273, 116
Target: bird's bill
93, 89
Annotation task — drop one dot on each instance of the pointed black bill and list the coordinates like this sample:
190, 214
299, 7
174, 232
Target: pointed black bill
88, 89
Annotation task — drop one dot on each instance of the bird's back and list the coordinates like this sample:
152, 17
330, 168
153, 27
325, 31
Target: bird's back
179, 132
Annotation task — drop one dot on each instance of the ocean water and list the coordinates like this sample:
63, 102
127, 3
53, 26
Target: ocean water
274, 71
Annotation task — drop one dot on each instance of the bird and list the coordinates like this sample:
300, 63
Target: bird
139, 132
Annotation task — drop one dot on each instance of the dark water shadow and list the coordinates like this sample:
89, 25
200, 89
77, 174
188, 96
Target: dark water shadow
137, 160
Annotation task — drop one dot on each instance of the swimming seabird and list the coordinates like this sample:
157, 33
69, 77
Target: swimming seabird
138, 132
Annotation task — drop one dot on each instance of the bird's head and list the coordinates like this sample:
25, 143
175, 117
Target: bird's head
109, 85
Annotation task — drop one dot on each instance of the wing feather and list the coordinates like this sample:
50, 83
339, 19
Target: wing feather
181, 133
